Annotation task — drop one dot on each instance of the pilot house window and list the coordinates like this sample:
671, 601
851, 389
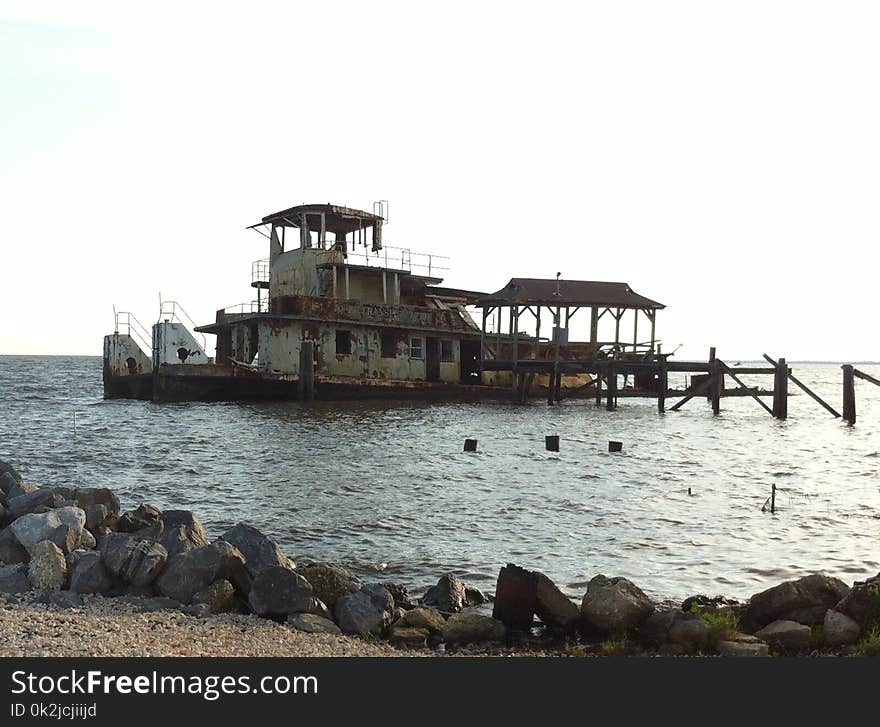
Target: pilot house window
447, 353
416, 349
343, 342
389, 345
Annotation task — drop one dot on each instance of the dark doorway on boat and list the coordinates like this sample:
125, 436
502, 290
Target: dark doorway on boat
432, 359
470, 362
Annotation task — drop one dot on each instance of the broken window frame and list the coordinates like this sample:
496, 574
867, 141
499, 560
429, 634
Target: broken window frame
447, 350
388, 345
345, 335
417, 350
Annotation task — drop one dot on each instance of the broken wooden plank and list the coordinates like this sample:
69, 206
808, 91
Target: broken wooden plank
741, 385
806, 389
865, 377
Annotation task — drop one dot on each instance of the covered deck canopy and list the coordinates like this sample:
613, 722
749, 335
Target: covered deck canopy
564, 298
324, 218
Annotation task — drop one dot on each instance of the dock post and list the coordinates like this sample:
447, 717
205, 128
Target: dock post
662, 382
849, 394
717, 375
773, 500
306, 384
780, 390
611, 388
599, 387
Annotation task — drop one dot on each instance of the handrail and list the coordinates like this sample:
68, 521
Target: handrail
170, 308
426, 262
260, 271
138, 332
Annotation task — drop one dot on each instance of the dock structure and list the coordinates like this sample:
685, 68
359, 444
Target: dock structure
599, 361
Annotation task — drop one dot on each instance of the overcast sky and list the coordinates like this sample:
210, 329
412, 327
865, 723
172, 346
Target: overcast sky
719, 157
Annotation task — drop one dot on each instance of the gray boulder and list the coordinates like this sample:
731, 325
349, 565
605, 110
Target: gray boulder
219, 597
62, 526
804, 600
360, 613
178, 539
189, 520
8, 473
789, 637
190, 572
839, 629
14, 579
143, 516
47, 570
408, 637
96, 516
88, 575
11, 551
423, 618
278, 592
516, 597
743, 645
552, 606
330, 582
312, 624
862, 602
23, 502
132, 559
90, 497
615, 605
87, 540
448, 595
471, 628
684, 632
259, 551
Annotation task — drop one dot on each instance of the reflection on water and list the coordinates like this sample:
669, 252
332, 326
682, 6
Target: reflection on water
385, 487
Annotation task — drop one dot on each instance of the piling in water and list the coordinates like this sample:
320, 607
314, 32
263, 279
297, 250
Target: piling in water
551, 442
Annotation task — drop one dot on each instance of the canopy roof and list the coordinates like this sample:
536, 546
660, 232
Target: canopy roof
336, 218
540, 291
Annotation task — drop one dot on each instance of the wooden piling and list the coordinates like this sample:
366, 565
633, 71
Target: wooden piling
611, 395
662, 383
780, 390
470, 445
849, 394
716, 374
773, 500
598, 388
306, 383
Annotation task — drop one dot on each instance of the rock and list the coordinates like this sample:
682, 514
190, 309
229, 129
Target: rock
744, 645
181, 539
399, 594
91, 497
516, 597
862, 603
839, 629
88, 575
259, 551
62, 527
469, 628
86, 540
423, 618
552, 606
474, 597
786, 636
614, 605
706, 603
47, 570
96, 516
189, 520
330, 582
684, 630
188, 573
804, 600
22, 502
11, 551
313, 624
408, 637
60, 599
132, 559
278, 592
219, 597
382, 599
448, 595
358, 613
14, 579
9, 476
143, 516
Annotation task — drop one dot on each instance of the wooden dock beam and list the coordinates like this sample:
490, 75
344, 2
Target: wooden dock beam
611, 399
716, 375
849, 394
780, 390
662, 383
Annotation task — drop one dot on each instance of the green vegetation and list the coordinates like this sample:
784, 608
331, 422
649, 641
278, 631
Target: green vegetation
722, 623
613, 647
870, 643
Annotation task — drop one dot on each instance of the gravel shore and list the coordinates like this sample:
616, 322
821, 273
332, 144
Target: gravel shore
104, 627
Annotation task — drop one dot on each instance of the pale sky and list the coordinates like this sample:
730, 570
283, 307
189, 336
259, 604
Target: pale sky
719, 157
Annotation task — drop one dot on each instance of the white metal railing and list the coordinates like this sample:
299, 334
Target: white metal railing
254, 306
403, 258
170, 310
125, 322
260, 271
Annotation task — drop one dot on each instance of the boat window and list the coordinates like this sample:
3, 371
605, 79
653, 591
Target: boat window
416, 349
389, 345
447, 353
343, 342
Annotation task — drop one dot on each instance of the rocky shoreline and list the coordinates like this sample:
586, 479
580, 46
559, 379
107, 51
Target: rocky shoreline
71, 560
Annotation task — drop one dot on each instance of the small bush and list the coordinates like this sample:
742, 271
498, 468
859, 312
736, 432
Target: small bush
613, 647
722, 623
870, 643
